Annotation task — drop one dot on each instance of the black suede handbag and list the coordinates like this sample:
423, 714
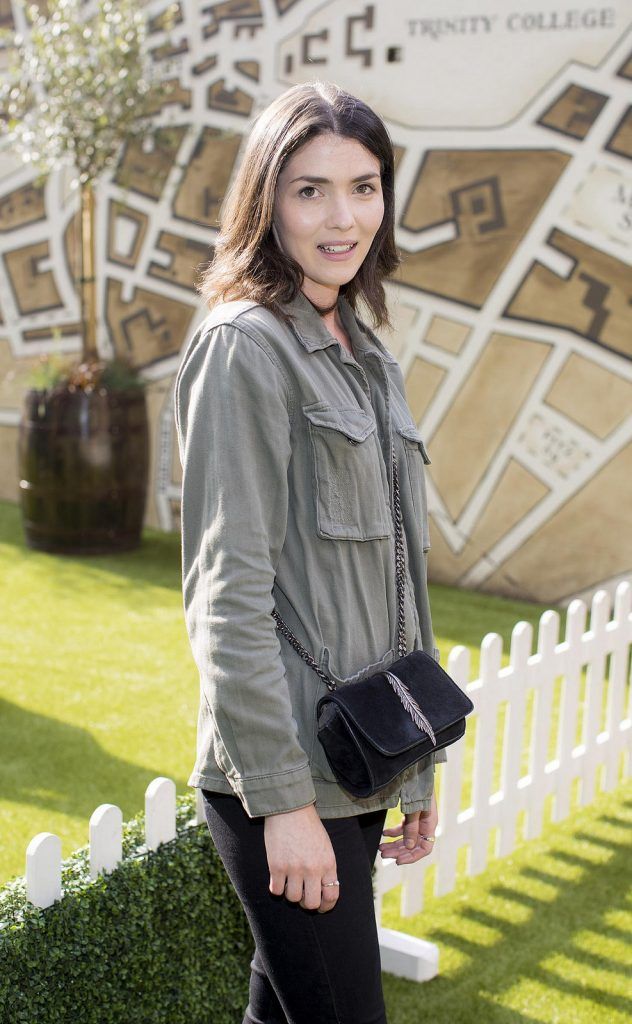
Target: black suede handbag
375, 728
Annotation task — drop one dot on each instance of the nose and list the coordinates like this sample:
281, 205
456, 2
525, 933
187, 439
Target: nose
340, 215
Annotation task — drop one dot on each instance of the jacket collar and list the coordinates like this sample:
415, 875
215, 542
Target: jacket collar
313, 334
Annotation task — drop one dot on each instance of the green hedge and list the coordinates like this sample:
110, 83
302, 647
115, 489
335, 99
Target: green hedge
162, 939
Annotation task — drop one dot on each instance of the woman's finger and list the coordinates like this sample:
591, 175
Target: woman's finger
390, 850
411, 831
311, 892
294, 887
395, 830
423, 849
277, 882
329, 898
397, 848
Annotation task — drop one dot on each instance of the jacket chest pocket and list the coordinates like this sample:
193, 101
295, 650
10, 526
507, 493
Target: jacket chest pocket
416, 459
349, 476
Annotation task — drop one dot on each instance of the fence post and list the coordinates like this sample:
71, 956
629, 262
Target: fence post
43, 869
591, 725
519, 654
486, 711
451, 787
200, 816
616, 711
569, 706
545, 669
160, 812
106, 839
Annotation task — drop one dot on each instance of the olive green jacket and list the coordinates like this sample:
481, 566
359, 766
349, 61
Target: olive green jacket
285, 441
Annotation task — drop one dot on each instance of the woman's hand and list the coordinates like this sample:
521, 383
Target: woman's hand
411, 847
301, 858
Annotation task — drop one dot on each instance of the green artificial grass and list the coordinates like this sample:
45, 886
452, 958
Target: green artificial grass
99, 696
541, 937
98, 686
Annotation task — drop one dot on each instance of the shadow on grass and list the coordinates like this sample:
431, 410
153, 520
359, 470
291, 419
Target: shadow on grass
157, 560
538, 954
42, 770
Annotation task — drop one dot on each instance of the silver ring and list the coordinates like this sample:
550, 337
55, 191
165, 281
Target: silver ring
336, 882
427, 839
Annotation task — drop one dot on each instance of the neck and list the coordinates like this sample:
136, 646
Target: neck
322, 310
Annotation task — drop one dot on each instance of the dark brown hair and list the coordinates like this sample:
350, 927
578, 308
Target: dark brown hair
247, 263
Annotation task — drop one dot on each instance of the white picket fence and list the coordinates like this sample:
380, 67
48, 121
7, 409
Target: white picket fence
604, 717
43, 854
606, 731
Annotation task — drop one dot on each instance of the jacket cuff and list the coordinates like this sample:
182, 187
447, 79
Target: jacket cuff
416, 792
274, 794
408, 806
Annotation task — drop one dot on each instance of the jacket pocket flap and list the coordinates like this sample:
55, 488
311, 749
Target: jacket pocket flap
412, 434
353, 423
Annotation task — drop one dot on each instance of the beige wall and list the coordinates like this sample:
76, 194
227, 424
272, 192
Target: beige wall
513, 305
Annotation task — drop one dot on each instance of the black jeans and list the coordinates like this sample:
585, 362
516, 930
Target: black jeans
308, 967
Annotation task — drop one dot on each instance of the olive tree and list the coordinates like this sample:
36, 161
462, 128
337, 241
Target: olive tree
78, 84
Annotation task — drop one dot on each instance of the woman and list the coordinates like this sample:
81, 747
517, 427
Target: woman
287, 409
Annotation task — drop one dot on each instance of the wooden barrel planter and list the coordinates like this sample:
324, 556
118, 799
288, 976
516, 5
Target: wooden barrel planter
83, 461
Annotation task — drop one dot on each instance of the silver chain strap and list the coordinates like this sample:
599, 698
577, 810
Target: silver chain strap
399, 563
396, 512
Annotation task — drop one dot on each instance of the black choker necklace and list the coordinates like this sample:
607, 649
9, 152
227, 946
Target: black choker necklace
321, 310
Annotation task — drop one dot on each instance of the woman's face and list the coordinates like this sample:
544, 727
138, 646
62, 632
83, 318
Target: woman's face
345, 205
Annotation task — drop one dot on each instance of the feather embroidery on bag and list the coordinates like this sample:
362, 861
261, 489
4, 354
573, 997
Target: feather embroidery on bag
411, 705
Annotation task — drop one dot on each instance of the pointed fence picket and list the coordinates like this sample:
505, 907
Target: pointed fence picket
498, 691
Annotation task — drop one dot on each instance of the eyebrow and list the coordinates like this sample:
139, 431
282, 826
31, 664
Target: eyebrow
327, 181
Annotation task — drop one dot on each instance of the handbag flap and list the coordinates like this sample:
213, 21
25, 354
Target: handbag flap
375, 709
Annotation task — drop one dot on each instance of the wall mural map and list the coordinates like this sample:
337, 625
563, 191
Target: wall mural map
513, 308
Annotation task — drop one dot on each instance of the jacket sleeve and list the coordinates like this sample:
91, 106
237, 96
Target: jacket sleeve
232, 411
